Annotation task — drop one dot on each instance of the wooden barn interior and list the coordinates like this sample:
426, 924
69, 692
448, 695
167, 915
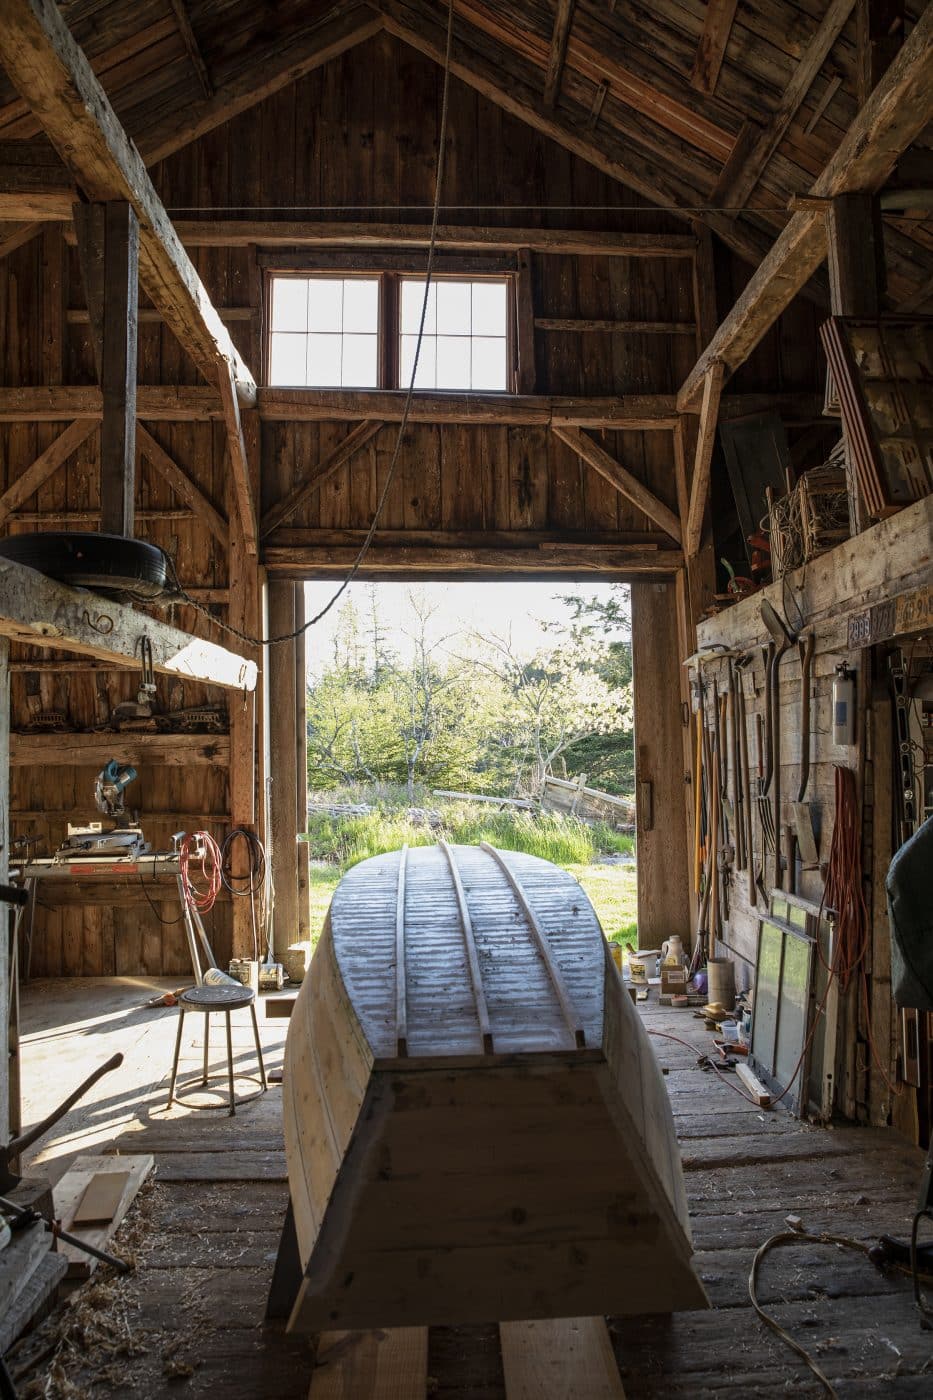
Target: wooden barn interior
712, 223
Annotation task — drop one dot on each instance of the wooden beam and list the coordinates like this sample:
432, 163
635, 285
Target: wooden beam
13, 236
717, 26
52, 74
181, 483
314, 479
706, 440
108, 250
192, 47
896, 114
526, 371
635, 411
582, 326
616, 153
326, 560
563, 19
46, 465
285, 58
239, 466
93, 750
621, 478
173, 403
267, 233
559, 1357
38, 611
814, 56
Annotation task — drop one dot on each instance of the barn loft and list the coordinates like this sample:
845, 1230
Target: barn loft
685, 255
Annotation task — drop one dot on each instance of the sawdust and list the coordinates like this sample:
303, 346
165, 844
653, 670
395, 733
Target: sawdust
94, 1339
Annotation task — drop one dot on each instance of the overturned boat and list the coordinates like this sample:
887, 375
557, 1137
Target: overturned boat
476, 1127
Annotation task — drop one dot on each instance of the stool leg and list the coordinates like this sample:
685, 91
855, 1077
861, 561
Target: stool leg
207, 1041
171, 1090
230, 1065
262, 1068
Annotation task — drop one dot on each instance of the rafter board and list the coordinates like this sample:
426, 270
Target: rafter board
621, 478
51, 72
38, 611
895, 115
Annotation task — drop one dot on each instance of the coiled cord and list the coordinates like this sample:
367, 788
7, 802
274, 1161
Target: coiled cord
251, 883
200, 850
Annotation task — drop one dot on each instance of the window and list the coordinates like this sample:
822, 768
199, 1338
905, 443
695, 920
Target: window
464, 345
325, 332
360, 332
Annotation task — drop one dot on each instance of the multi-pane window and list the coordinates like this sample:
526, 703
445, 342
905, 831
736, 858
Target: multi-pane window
325, 332
465, 342
360, 332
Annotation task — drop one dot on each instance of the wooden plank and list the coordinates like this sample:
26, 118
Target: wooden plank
45, 465
94, 750
41, 612
563, 19
753, 1085
316, 476
70, 1190
53, 76
563, 1358
895, 115
706, 439
182, 484
380, 1365
621, 478
717, 26
814, 56
100, 1198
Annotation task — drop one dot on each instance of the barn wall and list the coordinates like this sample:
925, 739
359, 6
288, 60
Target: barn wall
358, 132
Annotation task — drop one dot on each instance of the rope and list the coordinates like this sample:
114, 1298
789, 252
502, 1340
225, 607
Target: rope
249, 885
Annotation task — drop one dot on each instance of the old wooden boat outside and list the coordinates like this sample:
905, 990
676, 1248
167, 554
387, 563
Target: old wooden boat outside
476, 1127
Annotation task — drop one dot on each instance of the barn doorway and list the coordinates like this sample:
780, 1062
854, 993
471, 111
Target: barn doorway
496, 710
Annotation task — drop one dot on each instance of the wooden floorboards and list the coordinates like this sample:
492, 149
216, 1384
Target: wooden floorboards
213, 1214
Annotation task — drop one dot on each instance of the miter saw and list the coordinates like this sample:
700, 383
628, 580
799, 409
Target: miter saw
112, 837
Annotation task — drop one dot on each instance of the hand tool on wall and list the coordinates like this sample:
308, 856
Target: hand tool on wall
745, 774
803, 817
782, 642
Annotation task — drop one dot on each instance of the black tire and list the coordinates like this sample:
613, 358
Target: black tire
107, 564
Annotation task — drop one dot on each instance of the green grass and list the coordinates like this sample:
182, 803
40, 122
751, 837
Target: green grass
563, 840
337, 843
611, 890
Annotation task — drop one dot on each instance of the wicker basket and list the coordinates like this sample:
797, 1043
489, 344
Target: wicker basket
810, 519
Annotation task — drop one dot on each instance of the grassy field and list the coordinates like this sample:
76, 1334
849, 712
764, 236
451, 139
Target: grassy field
611, 889
338, 842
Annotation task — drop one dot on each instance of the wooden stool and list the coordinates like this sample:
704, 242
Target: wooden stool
226, 999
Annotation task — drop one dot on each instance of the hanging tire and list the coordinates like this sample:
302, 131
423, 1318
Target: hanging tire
107, 564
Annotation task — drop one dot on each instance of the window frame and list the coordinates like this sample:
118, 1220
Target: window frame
390, 270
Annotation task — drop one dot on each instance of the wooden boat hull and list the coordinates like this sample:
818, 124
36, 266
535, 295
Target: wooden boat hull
479, 1185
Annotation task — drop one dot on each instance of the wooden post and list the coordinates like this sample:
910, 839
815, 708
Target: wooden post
303, 853
245, 614
6, 911
108, 246
663, 859
856, 281
283, 799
